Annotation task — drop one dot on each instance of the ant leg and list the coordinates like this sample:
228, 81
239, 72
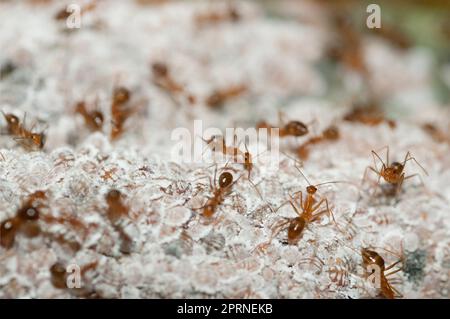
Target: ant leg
373, 170
276, 228
399, 295
393, 272
260, 195
301, 198
420, 178
399, 184
293, 206
409, 157
280, 118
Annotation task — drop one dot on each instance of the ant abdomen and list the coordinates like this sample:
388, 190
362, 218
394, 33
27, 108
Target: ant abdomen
209, 210
58, 275
225, 179
295, 229
8, 231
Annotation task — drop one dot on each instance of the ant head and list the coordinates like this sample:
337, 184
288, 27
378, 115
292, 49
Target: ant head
311, 189
98, 118
38, 194
296, 128
8, 230
160, 69
225, 179
121, 95
215, 99
397, 167
28, 213
371, 257
113, 195
11, 119
247, 157
7, 226
331, 133
38, 139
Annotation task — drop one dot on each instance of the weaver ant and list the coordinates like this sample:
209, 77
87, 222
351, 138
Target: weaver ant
392, 173
64, 13
217, 144
163, 79
370, 115
292, 128
25, 137
59, 277
308, 210
348, 48
220, 96
370, 259
225, 184
115, 212
436, 134
24, 221
331, 133
213, 17
120, 112
394, 36
92, 118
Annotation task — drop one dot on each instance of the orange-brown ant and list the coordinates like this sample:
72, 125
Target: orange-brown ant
224, 187
59, 277
213, 17
24, 221
115, 212
370, 259
394, 36
291, 128
392, 173
309, 209
436, 134
92, 118
163, 79
64, 13
120, 110
347, 48
220, 96
330, 134
370, 115
217, 144
25, 137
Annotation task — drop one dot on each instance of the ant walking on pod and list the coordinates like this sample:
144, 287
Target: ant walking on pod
393, 173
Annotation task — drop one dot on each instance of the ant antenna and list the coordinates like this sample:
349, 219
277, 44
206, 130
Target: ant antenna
409, 157
304, 176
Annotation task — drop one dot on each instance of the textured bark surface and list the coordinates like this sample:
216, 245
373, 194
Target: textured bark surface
161, 246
